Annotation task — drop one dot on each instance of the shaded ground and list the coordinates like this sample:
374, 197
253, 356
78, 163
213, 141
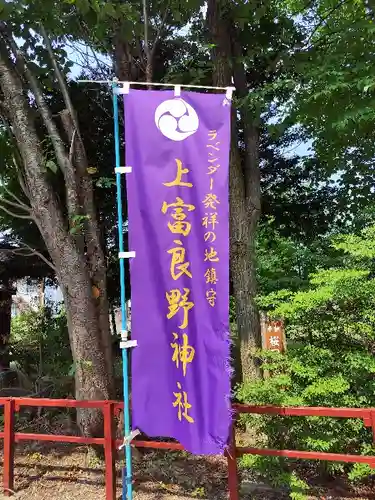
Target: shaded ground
49, 472
65, 473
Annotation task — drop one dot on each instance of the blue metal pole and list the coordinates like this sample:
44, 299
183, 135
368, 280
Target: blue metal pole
128, 453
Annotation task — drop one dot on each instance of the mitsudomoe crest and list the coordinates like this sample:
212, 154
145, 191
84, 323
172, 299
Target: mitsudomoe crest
176, 119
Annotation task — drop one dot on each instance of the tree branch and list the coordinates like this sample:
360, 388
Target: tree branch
76, 177
7, 37
17, 159
12, 214
16, 205
20, 251
324, 18
73, 204
99, 63
60, 79
21, 179
149, 68
19, 203
145, 28
46, 206
85, 30
160, 29
71, 150
42, 106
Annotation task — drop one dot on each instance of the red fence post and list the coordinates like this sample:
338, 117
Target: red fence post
372, 416
233, 484
109, 451
8, 473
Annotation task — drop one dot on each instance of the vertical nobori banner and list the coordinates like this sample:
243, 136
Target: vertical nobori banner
178, 148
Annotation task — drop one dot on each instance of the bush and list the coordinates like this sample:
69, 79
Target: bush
330, 359
39, 345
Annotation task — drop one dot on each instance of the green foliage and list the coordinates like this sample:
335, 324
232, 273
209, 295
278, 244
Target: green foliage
276, 470
298, 193
77, 223
334, 88
40, 344
361, 246
285, 262
330, 358
361, 471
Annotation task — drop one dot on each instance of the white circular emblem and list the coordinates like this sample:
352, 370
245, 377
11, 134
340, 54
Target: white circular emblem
176, 119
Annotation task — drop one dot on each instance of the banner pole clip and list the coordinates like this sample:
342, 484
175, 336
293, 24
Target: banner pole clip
126, 255
128, 344
177, 90
123, 170
128, 439
229, 93
124, 89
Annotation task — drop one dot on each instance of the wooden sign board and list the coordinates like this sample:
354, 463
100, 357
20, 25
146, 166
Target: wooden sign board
273, 335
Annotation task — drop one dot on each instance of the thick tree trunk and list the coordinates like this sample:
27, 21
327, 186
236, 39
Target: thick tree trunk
73, 270
244, 199
91, 377
123, 59
90, 228
251, 178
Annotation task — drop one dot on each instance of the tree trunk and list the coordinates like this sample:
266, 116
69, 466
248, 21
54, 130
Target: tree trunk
42, 293
123, 59
244, 189
113, 320
91, 377
73, 270
93, 249
149, 69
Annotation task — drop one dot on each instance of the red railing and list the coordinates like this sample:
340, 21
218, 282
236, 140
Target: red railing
109, 442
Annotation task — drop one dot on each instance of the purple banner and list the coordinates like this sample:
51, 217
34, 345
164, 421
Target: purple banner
178, 148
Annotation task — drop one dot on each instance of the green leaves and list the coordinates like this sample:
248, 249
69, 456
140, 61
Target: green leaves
324, 386
105, 182
334, 98
42, 334
360, 246
51, 165
361, 471
84, 5
329, 362
78, 223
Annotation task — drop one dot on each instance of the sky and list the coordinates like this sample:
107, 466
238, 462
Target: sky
79, 54
299, 149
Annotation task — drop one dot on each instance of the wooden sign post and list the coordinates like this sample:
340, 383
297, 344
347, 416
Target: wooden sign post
273, 337
273, 334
